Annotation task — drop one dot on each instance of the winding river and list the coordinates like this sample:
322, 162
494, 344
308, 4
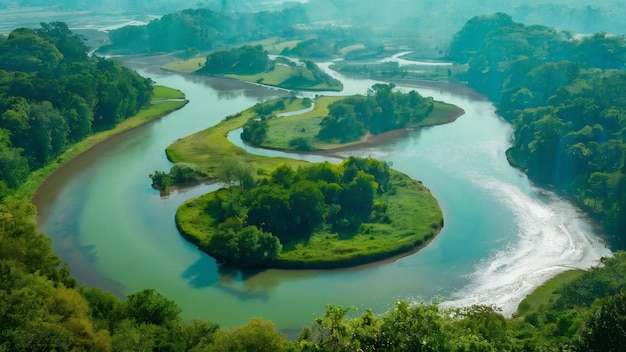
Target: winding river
502, 236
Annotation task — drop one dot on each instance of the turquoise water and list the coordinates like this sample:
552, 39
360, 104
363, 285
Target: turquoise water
502, 236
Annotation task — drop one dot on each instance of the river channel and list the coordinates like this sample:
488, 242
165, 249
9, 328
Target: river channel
502, 236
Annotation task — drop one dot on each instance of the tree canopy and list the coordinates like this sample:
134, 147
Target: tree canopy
254, 222
563, 96
53, 94
382, 110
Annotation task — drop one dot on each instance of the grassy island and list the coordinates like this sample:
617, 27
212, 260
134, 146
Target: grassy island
340, 122
253, 64
286, 213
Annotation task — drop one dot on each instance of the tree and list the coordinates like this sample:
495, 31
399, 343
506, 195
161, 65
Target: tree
256, 335
605, 329
13, 166
307, 207
150, 307
246, 247
284, 175
161, 180
270, 211
254, 131
234, 171
189, 52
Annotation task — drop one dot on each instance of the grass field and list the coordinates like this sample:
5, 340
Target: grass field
274, 45
547, 293
164, 101
188, 66
307, 125
209, 148
345, 50
275, 77
280, 76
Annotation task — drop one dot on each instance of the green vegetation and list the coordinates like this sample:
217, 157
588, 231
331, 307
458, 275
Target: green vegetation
322, 216
158, 108
565, 103
393, 70
252, 64
208, 150
185, 66
374, 230
52, 94
43, 308
339, 121
547, 293
202, 29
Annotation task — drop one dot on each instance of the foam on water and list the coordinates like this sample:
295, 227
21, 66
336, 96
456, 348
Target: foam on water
549, 234
552, 236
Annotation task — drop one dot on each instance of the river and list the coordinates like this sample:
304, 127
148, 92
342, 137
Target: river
502, 236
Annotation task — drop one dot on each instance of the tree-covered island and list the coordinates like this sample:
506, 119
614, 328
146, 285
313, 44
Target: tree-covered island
253, 64
337, 122
277, 212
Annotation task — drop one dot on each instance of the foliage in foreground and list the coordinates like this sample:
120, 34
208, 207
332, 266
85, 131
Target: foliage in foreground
42, 308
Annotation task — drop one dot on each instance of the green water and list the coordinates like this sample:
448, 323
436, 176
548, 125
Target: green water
502, 237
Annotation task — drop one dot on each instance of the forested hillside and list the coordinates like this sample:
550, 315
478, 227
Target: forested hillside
52, 94
203, 29
564, 97
365, 29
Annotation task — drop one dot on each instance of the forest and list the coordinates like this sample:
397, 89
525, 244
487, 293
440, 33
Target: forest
322, 34
202, 29
380, 111
54, 94
563, 97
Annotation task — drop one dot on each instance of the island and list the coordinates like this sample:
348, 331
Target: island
254, 64
341, 122
285, 213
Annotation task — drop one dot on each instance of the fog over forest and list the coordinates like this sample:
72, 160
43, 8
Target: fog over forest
439, 18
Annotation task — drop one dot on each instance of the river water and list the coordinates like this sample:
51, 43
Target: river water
502, 236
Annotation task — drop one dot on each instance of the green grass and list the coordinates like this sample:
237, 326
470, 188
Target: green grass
345, 50
547, 293
163, 93
415, 219
282, 74
161, 105
274, 45
306, 125
275, 77
207, 149
185, 66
